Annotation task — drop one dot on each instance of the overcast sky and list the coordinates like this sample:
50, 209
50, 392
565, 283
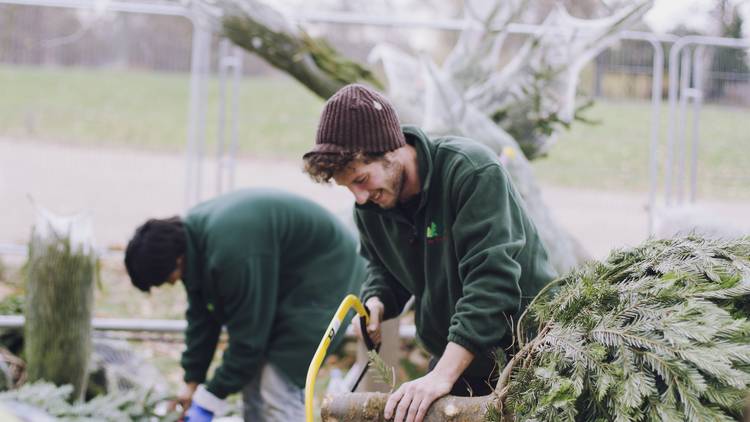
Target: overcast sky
665, 16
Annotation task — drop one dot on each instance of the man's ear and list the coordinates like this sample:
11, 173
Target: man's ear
391, 156
181, 265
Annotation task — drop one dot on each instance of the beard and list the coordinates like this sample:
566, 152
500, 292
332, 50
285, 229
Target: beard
394, 184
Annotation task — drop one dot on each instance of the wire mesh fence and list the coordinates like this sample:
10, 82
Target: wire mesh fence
103, 79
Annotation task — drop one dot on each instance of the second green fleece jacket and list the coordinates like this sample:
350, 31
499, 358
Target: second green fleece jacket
272, 267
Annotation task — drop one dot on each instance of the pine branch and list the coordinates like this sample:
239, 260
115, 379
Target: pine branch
659, 332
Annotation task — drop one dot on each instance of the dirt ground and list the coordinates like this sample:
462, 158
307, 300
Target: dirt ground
122, 188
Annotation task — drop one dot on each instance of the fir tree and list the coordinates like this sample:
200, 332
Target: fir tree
654, 333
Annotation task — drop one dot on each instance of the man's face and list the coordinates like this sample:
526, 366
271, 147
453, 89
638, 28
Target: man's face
380, 181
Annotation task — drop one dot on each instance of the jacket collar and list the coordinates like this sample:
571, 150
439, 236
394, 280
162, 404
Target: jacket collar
193, 268
425, 152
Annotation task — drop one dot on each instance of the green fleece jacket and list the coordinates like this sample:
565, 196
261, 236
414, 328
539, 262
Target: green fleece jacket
464, 247
272, 267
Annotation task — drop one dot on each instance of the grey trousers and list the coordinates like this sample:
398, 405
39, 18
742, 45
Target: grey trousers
271, 397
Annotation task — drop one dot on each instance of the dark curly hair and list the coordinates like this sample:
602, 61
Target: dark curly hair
322, 166
152, 253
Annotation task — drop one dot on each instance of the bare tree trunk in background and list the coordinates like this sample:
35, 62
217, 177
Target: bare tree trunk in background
262, 30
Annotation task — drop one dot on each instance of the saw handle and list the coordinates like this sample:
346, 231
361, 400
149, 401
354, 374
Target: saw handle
363, 328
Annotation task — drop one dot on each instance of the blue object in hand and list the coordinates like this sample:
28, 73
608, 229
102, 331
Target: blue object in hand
198, 414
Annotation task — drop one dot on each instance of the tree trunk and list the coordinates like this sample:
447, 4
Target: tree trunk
368, 407
262, 30
60, 291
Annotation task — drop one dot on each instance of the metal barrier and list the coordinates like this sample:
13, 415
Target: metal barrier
198, 14
165, 326
684, 65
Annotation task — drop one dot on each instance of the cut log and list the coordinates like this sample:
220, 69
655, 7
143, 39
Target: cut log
368, 407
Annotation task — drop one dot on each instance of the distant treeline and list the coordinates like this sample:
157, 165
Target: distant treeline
48, 36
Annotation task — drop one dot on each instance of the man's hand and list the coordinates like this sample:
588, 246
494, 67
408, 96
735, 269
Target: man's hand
412, 400
376, 308
184, 397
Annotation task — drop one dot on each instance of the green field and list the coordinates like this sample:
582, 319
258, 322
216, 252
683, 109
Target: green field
148, 110
278, 118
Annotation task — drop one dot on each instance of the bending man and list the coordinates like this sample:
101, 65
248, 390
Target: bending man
272, 268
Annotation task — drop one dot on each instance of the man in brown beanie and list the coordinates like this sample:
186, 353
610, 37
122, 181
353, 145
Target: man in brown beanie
438, 219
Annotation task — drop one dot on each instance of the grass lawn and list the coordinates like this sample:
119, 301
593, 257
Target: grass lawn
614, 154
279, 116
149, 110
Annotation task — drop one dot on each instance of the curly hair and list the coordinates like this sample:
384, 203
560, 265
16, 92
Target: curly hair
152, 253
322, 166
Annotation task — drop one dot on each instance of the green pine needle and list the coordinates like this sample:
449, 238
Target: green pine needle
383, 372
658, 332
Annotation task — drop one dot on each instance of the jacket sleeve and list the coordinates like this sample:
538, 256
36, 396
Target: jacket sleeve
249, 295
201, 336
380, 282
488, 234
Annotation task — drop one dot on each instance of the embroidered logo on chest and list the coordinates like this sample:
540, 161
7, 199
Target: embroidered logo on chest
433, 235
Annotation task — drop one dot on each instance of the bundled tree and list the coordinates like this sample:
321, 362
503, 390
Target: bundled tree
658, 332
61, 271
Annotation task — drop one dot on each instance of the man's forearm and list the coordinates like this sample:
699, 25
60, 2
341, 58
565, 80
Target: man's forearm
454, 362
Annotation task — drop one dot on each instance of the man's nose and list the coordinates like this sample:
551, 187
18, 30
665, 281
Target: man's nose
360, 195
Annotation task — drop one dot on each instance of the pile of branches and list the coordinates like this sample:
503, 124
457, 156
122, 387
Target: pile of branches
658, 332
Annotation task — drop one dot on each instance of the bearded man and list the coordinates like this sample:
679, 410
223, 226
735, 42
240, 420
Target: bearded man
438, 219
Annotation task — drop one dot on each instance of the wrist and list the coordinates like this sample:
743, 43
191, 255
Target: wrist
446, 373
453, 363
189, 388
208, 401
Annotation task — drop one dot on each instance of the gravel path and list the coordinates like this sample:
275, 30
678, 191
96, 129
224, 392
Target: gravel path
122, 188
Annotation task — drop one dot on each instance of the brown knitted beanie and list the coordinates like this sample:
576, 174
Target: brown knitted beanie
358, 119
